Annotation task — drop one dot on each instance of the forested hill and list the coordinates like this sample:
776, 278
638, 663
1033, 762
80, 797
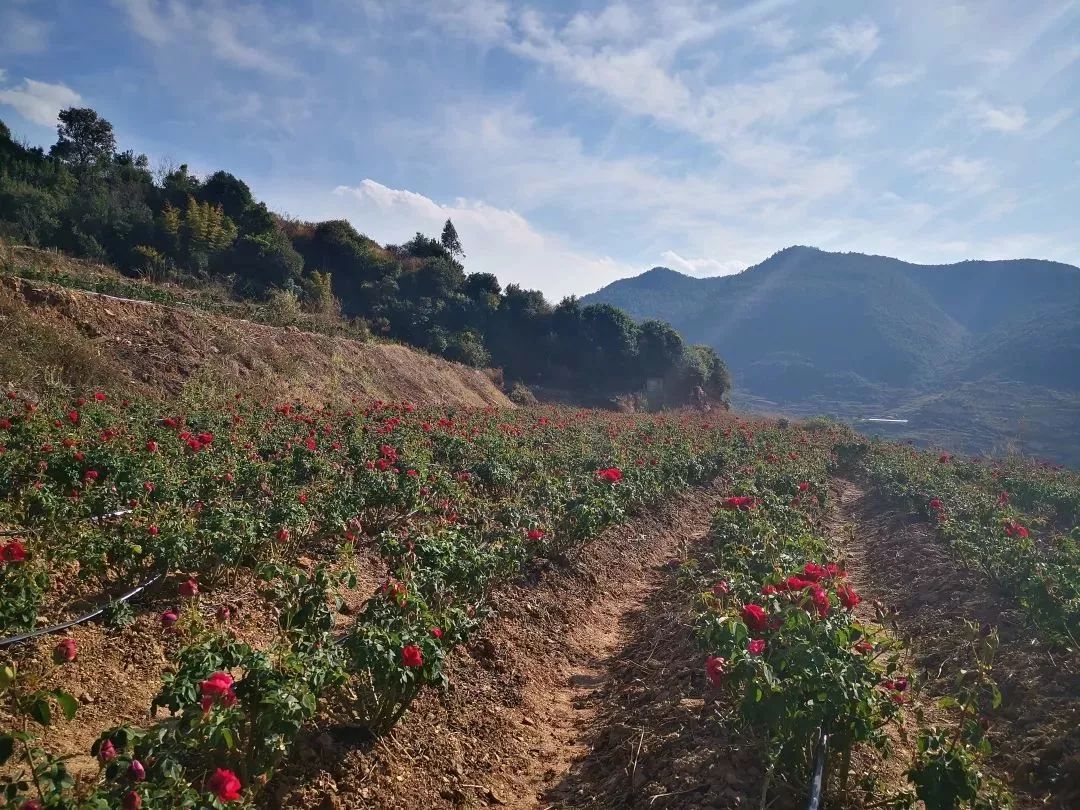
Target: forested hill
989, 350
90, 199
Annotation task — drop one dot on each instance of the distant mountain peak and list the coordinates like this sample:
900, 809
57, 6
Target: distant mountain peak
660, 271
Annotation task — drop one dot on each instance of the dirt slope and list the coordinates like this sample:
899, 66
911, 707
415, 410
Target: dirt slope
87, 339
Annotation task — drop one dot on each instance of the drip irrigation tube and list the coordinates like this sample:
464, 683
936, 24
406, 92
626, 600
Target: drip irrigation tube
817, 780
56, 628
92, 519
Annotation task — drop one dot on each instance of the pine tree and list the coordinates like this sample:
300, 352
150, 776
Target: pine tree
450, 241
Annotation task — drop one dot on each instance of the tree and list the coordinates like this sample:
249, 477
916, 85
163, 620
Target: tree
265, 260
84, 138
227, 191
659, 347
450, 241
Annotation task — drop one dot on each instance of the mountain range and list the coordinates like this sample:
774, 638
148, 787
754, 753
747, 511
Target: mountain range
977, 355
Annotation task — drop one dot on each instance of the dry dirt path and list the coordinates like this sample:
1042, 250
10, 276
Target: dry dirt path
530, 719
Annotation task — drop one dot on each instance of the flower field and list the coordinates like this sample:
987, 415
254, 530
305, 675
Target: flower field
440, 507
449, 503
1013, 521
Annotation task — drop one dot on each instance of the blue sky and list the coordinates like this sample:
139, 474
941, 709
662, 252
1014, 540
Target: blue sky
576, 143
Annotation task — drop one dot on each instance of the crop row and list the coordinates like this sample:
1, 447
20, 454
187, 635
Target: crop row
1011, 522
797, 660
448, 504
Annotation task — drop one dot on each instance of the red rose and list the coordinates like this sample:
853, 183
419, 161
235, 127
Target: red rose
721, 588
756, 646
132, 800
814, 572
107, 751
437, 632
936, 504
151, 446
224, 785
169, 618
411, 656
863, 647
65, 652
136, 771
283, 534
535, 534
755, 617
768, 590
805, 485
714, 669
1014, 529
611, 475
821, 601
848, 597
795, 584
99, 396
218, 689
13, 552
188, 588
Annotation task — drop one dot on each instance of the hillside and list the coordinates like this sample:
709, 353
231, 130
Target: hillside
66, 338
990, 349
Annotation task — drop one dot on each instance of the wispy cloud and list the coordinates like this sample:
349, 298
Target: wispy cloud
1010, 118
244, 36
22, 33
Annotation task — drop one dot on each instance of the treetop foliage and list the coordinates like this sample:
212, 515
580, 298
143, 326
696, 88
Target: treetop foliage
88, 199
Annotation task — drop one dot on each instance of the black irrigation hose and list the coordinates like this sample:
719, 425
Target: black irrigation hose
92, 519
817, 780
56, 628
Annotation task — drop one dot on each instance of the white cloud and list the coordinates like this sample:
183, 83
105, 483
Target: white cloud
1052, 122
230, 32
968, 172
39, 102
700, 267
1000, 119
892, 76
21, 33
497, 240
856, 39
483, 20
774, 34
852, 124
144, 18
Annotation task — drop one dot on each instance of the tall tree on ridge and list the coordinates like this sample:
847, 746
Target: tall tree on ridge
450, 240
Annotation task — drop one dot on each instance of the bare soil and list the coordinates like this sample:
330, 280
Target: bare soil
542, 708
156, 349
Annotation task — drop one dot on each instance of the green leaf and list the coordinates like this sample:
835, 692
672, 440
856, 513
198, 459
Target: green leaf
40, 711
68, 704
227, 736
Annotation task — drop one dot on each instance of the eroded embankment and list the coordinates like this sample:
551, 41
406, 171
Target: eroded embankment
92, 340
